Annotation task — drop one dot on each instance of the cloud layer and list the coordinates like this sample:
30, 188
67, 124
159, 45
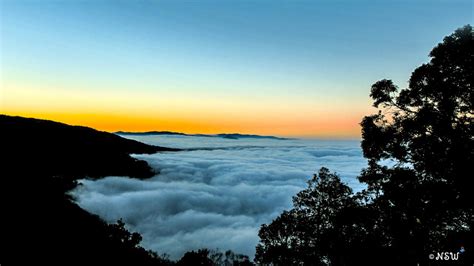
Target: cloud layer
217, 193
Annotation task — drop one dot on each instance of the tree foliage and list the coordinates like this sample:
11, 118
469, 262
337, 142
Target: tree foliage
214, 258
298, 236
419, 147
426, 131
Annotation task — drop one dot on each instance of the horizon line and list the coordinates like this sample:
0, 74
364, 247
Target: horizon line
315, 136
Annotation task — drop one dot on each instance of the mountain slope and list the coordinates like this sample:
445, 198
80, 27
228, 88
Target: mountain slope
41, 161
55, 148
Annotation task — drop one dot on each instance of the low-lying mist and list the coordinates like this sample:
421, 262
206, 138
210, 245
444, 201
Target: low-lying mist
218, 192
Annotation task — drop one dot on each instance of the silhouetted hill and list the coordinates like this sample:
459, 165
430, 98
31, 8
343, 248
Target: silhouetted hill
41, 161
60, 149
222, 135
151, 133
246, 136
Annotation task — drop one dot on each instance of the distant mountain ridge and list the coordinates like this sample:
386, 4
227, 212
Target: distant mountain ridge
222, 135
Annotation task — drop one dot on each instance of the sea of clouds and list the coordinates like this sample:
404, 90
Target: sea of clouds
216, 192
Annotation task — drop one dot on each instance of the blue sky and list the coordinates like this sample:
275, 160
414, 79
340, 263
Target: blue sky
265, 53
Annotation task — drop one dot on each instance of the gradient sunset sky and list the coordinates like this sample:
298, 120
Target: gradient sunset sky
289, 68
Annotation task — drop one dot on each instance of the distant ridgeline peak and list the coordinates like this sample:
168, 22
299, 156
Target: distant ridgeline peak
221, 135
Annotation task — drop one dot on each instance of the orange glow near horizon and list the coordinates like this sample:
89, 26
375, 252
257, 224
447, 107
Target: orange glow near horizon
148, 111
113, 123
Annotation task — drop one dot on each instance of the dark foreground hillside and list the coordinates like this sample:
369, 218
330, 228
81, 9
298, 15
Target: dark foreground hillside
55, 148
40, 162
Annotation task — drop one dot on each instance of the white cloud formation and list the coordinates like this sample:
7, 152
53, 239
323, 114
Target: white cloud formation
218, 192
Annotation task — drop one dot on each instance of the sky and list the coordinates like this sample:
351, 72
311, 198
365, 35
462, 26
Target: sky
287, 68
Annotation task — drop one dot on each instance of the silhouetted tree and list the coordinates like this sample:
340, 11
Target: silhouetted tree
195, 258
426, 132
228, 258
419, 148
299, 236
120, 234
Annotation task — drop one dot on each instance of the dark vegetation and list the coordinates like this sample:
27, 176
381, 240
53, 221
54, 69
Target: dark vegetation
41, 161
213, 258
419, 198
